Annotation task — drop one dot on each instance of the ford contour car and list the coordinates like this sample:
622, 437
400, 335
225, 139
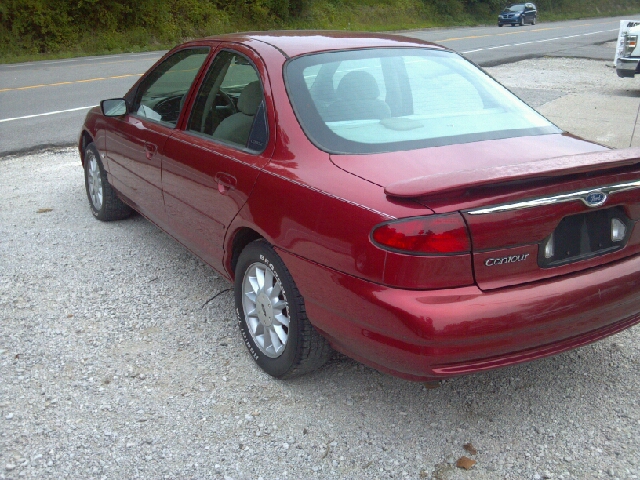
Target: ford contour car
376, 195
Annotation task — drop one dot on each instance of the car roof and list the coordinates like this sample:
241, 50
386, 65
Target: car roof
298, 42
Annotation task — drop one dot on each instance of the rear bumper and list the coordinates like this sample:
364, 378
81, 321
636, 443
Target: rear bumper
627, 67
425, 335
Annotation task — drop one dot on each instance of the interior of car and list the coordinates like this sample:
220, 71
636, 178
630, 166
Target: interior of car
228, 100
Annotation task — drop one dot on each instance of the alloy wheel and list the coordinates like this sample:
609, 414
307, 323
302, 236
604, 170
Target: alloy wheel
94, 182
265, 310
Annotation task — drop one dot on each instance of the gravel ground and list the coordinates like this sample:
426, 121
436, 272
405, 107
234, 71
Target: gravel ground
584, 97
117, 362
552, 77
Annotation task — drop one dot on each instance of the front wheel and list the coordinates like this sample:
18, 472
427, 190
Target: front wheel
522, 21
272, 317
103, 200
533, 21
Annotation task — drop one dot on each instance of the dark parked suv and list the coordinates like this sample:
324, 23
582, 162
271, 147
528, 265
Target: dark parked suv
518, 14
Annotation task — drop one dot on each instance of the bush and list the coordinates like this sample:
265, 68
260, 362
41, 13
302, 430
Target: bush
100, 26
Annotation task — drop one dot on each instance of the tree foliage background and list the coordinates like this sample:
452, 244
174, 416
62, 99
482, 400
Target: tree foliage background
29, 27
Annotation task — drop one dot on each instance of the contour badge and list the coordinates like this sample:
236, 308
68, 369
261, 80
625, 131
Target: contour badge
491, 262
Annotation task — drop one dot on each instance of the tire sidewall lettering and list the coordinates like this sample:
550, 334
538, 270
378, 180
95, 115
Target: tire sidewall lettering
245, 337
266, 261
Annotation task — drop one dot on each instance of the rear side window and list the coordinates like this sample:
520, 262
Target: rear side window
379, 100
230, 105
162, 94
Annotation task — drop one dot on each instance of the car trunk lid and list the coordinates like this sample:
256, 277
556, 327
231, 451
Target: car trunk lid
537, 219
555, 172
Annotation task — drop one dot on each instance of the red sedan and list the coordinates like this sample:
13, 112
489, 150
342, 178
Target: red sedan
376, 195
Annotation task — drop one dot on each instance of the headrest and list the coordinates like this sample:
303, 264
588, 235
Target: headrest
250, 98
358, 85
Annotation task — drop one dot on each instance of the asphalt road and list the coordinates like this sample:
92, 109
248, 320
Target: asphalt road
491, 46
44, 103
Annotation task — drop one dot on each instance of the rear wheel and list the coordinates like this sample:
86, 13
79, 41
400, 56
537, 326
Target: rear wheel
272, 317
500, 25
103, 200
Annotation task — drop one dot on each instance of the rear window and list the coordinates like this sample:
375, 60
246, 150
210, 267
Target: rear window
379, 100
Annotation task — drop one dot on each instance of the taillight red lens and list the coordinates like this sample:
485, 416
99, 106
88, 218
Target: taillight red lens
435, 234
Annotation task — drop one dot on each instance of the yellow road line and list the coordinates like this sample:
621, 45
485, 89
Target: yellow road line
50, 65
29, 87
69, 62
510, 33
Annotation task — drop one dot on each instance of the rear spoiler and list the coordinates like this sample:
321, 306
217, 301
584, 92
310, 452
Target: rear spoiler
550, 167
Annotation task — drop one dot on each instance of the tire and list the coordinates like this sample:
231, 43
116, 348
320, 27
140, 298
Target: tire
500, 25
533, 21
103, 200
272, 317
522, 21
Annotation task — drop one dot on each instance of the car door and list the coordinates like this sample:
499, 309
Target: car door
135, 146
528, 9
209, 168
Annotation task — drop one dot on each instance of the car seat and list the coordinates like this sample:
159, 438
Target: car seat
236, 128
357, 99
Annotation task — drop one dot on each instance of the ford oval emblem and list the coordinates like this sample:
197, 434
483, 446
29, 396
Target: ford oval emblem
595, 198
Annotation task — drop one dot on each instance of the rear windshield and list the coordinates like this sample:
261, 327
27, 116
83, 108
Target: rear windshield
380, 100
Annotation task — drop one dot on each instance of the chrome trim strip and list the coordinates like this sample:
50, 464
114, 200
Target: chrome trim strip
567, 197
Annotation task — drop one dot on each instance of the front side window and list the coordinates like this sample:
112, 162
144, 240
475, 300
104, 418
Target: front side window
162, 93
379, 100
230, 106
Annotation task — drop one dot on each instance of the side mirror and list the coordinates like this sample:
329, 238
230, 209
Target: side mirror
115, 107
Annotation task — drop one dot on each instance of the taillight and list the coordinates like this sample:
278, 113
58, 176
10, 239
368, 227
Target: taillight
631, 42
431, 235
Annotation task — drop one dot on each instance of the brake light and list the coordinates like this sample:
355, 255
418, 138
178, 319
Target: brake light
431, 235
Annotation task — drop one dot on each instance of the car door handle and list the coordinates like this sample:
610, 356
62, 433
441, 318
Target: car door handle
225, 182
150, 149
